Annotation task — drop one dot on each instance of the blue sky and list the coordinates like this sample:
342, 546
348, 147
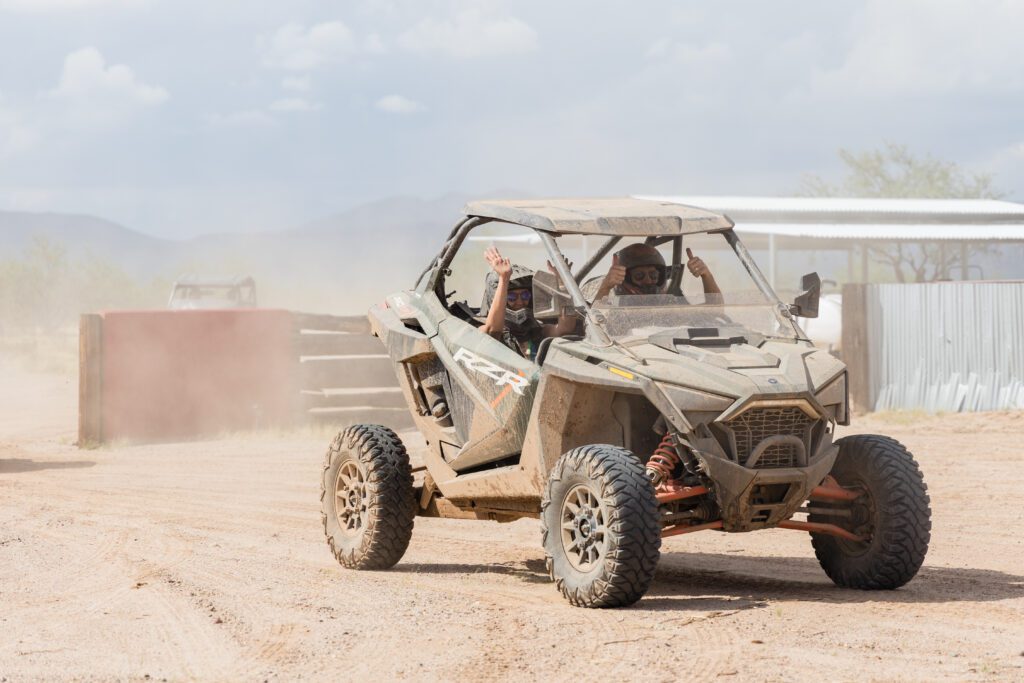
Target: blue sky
179, 118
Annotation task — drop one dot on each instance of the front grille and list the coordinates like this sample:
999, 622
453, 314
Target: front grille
780, 455
757, 424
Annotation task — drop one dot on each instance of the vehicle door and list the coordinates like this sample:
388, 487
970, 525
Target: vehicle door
490, 386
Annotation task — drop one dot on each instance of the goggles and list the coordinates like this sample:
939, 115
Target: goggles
643, 274
523, 295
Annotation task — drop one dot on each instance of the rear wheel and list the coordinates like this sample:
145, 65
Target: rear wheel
892, 515
366, 497
600, 525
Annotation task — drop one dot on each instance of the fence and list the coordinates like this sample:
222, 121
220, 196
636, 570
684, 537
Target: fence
344, 374
165, 375
939, 346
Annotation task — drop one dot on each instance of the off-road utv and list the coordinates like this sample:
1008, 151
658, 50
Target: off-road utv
190, 292
665, 414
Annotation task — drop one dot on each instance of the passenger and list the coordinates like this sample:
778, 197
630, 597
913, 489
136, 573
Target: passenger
514, 323
640, 269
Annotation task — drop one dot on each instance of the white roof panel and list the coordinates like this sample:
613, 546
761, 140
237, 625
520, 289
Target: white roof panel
853, 218
938, 208
888, 231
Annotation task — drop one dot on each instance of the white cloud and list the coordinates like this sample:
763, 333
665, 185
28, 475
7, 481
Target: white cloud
689, 54
40, 6
16, 133
297, 83
296, 48
1007, 166
470, 34
87, 81
246, 118
295, 104
924, 47
396, 104
89, 94
373, 45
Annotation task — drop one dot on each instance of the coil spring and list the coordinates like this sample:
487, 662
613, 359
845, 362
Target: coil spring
664, 460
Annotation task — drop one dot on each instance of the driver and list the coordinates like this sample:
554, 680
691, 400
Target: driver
641, 269
514, 323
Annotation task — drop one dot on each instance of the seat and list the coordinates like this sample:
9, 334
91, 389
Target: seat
542, 350
545, 344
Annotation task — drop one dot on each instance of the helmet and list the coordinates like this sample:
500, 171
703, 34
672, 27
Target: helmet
518, 322
641, 255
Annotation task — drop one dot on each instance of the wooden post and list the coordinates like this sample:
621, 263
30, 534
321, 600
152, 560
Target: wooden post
90, 381
855, 350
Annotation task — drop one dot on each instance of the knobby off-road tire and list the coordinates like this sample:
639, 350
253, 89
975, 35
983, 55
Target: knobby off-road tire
366, 497
600, 525
894, 513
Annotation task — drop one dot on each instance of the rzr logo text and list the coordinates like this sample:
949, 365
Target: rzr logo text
500, 375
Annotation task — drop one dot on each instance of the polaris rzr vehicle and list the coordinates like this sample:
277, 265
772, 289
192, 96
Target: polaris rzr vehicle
660, 414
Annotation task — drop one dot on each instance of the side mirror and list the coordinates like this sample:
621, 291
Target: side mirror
549, 298
806, 305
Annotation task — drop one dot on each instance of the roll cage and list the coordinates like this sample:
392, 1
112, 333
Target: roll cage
620, 218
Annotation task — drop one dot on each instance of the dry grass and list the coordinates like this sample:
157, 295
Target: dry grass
47, 352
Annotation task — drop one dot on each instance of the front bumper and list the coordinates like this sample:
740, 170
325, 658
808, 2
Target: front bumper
761, 498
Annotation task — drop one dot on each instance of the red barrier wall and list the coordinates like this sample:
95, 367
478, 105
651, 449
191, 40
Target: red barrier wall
182, 374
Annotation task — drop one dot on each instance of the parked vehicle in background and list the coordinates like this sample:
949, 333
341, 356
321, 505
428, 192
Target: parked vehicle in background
191, 292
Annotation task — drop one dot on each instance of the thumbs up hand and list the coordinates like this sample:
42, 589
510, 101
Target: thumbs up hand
615, 277
695, 264
616, 274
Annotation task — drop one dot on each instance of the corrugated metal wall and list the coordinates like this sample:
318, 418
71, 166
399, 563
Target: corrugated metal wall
945, 346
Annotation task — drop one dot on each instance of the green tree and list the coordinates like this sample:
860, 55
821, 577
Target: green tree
44, 289
893, 171
34, 289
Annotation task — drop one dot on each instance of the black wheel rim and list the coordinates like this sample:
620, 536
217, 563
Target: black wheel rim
583, 531
350, 498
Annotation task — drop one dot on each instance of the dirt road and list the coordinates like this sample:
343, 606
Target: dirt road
206, 561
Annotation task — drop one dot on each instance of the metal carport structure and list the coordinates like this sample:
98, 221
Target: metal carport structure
810, 223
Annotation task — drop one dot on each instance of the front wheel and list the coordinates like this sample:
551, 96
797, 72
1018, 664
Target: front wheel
366, 497
601, 532
892, 515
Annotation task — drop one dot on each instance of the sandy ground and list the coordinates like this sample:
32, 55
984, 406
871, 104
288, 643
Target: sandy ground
207, 561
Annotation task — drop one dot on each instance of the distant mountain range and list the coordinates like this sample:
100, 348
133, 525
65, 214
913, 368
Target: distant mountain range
81, 235
341, 263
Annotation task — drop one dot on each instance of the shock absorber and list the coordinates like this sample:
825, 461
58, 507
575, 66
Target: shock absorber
663, 462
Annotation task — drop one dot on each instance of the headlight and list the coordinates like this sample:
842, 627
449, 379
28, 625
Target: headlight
687, 400
835, 394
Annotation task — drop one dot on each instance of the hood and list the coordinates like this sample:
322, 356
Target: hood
725, 364
733, 348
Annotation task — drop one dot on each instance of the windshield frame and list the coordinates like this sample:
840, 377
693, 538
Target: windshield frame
779, 308
432, 278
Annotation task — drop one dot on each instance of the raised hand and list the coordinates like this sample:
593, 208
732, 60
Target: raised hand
615, 277
616, 274
696, 265
701, 270
551, 266
551, 269
499, 264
